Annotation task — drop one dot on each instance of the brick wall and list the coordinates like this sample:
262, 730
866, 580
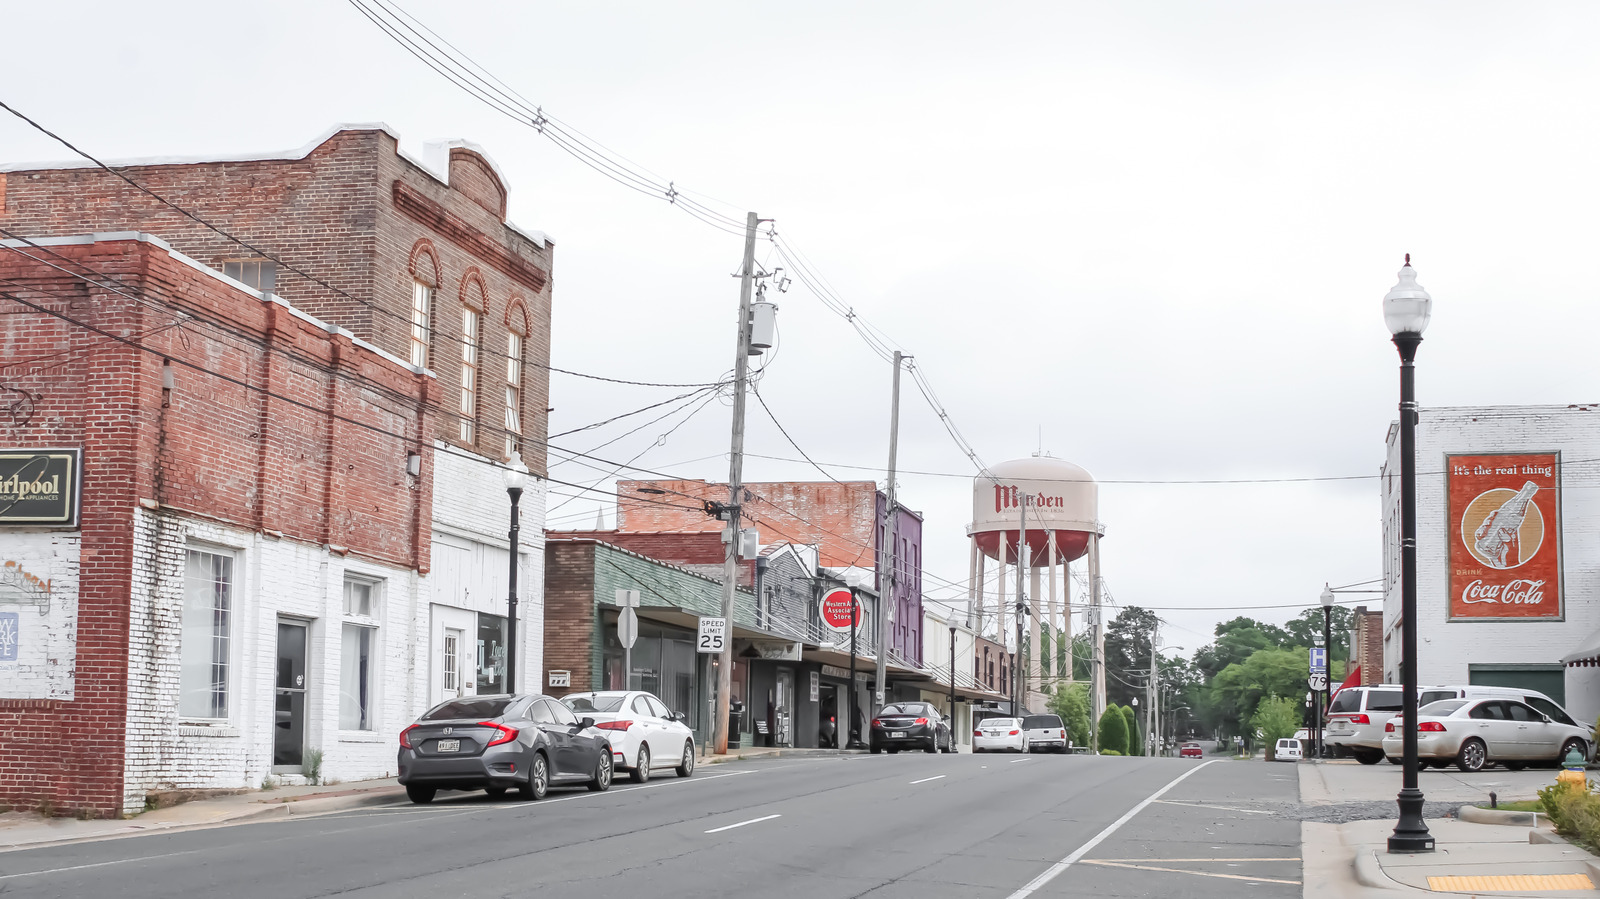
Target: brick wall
1367, 644
359, 217
159, 465
571, 632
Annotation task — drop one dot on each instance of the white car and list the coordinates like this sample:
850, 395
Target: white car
999, 735
1287, 750
1045, 733
645, 736
1472, 733
1357, 716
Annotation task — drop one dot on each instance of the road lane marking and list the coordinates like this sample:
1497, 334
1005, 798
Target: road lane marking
1097, 861
120, 861
926, 779
1107, 864
1055, 870
1225, 808
1014, 761
743, 823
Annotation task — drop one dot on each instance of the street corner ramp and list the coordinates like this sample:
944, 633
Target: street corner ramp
1535, 884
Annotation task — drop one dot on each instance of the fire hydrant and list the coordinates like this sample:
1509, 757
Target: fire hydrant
1572, 773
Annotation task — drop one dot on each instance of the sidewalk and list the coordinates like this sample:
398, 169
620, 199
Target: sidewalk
1352, 859
19, 830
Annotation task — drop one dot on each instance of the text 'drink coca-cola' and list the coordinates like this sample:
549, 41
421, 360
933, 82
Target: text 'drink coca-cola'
1504, 513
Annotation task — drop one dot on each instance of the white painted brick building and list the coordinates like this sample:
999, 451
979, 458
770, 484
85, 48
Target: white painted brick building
1513, 652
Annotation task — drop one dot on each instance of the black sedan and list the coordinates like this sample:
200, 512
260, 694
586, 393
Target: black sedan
494, 743
910, 725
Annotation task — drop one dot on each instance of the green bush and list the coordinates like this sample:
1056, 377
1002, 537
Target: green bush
1113, 730
1109, 752
1135, 739
1574, 812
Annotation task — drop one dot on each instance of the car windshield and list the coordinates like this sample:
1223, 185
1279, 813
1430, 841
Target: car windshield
1037, 722
594, 702
1431, 696
1000, 722
1191, 746
468, 708
1385, 701
905, 708
1346, 701
1441, 708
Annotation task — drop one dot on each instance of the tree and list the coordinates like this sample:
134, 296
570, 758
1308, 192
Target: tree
1307, 629
1127, 659
1113, 731
1071, 702
1238, 689
1276, 717
1135, 739
1236, 640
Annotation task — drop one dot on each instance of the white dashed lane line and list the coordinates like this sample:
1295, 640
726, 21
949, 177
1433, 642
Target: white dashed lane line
743, 823
926, 779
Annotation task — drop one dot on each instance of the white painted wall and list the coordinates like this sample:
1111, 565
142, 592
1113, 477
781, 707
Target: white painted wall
38, 614
1446, 648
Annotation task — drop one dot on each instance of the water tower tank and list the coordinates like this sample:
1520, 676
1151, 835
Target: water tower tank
1060, 497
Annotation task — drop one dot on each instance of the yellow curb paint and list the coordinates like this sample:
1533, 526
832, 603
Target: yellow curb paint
1474, 882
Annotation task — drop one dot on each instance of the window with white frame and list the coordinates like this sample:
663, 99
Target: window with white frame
421, 322
468, 408
262, 274
358, 667
513, 393
207, 629
452, 664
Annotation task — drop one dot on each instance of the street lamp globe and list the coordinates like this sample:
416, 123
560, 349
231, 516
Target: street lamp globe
1327, 597
515, 474
1407, 306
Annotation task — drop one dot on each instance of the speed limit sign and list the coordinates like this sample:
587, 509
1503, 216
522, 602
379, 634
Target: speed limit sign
713, 635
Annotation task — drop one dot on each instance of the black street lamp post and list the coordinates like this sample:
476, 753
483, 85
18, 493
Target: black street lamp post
1406, 310
952, 745
516, 474
1327, 687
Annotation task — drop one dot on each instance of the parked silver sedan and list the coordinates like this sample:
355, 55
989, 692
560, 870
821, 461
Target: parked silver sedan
1472, 733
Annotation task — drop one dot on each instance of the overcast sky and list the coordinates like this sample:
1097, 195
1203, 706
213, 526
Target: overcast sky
1158, 233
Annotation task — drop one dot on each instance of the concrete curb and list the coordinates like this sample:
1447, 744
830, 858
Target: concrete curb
735, 756
1472, 814
1369, 873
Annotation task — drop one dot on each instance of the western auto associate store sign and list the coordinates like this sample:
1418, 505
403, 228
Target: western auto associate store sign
1505, 536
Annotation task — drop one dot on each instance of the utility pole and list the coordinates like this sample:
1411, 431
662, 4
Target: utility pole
1098, 665
1022, 602
1153, 691
730, 565
889, 563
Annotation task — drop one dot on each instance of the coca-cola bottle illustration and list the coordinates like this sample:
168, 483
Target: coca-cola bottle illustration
1499, 539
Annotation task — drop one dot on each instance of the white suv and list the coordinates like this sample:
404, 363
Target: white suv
1356, 718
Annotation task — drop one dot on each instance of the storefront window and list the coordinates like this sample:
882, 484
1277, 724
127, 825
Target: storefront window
491, 654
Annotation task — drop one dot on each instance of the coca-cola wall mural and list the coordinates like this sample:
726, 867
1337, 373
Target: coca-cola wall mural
1505, 536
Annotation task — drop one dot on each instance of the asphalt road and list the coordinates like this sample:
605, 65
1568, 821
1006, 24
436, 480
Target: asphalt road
910, 825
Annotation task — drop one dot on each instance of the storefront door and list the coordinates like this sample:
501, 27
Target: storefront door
289, 732
783, 711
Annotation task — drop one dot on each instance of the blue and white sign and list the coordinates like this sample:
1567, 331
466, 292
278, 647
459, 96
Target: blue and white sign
1319, 659
9, 636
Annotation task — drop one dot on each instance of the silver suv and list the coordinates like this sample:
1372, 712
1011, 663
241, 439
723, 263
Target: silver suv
1356, 718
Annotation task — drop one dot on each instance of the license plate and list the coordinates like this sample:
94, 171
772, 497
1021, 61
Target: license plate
447, 746
897, 733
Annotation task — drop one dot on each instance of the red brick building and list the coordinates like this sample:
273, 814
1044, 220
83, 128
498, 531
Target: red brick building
355, 244
213, 424
1366, 644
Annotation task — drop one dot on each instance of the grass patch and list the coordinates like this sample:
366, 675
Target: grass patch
1520, 805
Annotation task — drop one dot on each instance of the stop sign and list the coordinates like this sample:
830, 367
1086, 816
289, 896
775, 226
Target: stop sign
839, 608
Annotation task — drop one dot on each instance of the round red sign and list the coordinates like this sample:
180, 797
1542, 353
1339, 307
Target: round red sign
839, 608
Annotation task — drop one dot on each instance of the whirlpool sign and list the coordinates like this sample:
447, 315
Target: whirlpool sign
40, 487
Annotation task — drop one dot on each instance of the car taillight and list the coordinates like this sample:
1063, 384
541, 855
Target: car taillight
877, 723
1389, 728
1015, 732
615, 725
977, 733
506, 735
1360, 719
922, 721
1063, 735
1432, 727
405, 737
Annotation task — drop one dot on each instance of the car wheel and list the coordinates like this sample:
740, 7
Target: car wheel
602, 772
876, 749
933, 745
686, 767
419, 794
1515, 766
1569, 746
1473, 756
496, 792
538, 779
1394, 760
1369, 758
641, 767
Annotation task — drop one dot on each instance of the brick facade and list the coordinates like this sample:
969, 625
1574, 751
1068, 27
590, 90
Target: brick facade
1366, 644
365, 222
270, 433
